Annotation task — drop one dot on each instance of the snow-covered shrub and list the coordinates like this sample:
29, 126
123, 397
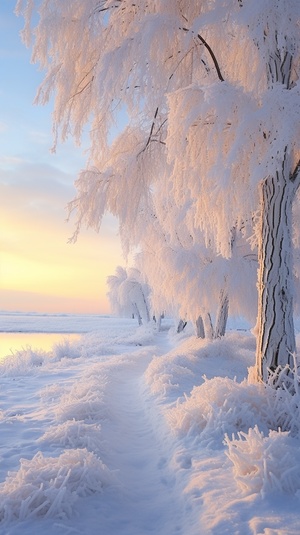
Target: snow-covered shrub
265, 463
84, 401
218, 406
73, 434
49, 487
223, 406
66, 349
22, 362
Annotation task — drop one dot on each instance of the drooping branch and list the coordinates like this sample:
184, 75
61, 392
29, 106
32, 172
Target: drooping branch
152, 128
213, 57
83, 88
150, 138
102, 7
210, 51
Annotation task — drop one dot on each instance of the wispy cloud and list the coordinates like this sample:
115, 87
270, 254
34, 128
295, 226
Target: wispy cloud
10, 162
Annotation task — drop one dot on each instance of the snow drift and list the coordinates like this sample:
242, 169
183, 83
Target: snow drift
50, 487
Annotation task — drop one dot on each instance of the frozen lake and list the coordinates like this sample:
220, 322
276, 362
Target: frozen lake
50, 323
11, 342
41, 331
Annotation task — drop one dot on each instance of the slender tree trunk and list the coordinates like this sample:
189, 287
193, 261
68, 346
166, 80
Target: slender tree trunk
222, 314
158, 321
276, 338
200, 333
208, 326
146, 308
181, 326
137, 312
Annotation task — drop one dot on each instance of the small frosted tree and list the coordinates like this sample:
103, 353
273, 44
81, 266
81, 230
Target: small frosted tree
114, 283
211, 91
128, 294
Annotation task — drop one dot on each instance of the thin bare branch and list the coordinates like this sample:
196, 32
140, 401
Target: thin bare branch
209, 49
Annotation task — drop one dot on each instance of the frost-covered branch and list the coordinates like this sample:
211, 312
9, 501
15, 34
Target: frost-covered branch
210, 51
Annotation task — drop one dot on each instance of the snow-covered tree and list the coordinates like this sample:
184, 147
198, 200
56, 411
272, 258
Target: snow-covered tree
211, 92
114, 283
186, 275
128, 294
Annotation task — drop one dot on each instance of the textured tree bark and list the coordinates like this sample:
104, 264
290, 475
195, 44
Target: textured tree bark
222, 314
276, 338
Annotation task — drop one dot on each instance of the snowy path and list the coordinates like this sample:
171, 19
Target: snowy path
146, 500
108, 391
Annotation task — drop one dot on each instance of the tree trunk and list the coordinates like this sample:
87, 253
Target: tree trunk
158, 321
137, 312
222, 314
146, 308
208, 326
181, 326
276, 338
200, 333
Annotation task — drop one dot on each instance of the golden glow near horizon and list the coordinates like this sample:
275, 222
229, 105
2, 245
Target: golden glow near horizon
54, 276
39, 270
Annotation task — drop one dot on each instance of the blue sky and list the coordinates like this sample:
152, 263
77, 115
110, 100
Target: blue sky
39, 270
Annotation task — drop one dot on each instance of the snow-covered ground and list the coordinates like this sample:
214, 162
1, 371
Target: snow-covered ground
132, 432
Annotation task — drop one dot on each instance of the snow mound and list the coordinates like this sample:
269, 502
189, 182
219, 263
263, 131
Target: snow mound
73, 434
84, 401
51, 393
183, 367
265, 464
50, 487
223, 406
22, 362
143, 336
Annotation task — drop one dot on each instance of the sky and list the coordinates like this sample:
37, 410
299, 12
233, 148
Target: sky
39, 270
